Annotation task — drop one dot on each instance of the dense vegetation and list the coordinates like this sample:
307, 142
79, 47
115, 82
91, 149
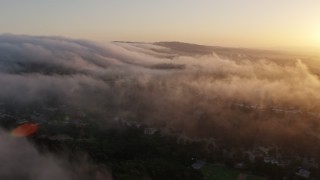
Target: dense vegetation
129, 153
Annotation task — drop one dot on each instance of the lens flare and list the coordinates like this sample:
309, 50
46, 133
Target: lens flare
25, 130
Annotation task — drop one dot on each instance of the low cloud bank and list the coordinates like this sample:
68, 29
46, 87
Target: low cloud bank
200, 95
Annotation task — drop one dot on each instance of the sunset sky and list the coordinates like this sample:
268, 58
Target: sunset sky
241, 23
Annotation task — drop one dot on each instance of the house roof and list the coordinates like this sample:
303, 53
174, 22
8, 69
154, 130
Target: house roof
198, 165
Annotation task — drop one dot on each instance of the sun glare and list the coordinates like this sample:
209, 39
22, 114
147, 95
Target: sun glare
316, 37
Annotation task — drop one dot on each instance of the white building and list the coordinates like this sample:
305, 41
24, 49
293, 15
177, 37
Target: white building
150, 131
303, 173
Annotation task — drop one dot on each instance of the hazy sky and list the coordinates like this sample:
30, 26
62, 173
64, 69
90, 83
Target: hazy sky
251, 23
